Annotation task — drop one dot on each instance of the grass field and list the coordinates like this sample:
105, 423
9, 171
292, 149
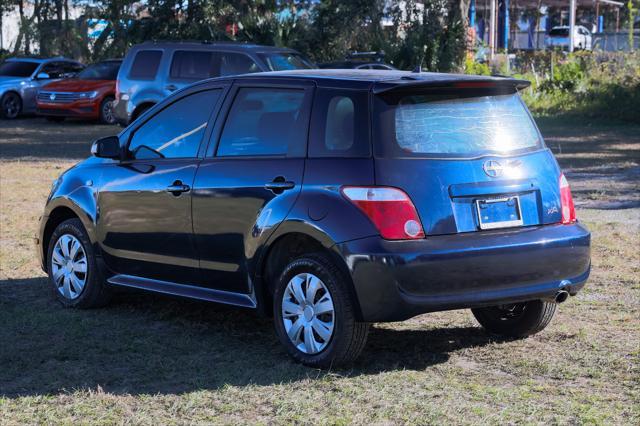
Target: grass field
153, 360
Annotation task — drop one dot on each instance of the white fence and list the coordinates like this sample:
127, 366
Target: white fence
607, 41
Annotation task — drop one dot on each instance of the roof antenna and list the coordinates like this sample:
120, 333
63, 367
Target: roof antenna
417, 69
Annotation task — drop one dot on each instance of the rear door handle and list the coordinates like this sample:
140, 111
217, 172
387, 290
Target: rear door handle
279, 185
171, 87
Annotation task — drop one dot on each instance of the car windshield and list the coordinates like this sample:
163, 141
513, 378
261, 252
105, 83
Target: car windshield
282, 61
561, 32
454, 125
18, 68
100, 71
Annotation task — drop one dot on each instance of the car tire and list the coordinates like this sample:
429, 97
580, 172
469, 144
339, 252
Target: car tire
10, 105
517, 320
74, 285
106, 111
319, 339
139, 111
54, 119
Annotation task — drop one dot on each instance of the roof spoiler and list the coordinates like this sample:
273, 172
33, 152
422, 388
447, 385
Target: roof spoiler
473, 83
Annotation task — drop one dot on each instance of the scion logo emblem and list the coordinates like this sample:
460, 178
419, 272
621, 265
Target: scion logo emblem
52, 96
492, 168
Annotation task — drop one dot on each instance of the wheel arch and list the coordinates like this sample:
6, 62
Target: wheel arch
61, 209
56, 217
286, 246
141, 108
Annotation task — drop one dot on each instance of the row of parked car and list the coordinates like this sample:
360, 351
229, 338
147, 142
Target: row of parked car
119, 90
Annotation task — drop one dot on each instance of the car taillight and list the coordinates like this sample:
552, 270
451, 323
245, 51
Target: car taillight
390, 210
117, 90
566, 201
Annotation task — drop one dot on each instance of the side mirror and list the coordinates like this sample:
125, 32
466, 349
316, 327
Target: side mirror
108, 147
43, 76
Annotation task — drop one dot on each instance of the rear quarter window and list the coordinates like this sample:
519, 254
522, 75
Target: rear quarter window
145, 65
435, 125
340, 124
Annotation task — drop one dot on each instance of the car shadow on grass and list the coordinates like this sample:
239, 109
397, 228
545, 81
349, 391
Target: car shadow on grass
147, 344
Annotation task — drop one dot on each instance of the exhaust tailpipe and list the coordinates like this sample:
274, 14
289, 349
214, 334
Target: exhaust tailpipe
561, 296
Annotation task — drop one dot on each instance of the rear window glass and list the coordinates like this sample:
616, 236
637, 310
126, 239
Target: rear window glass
145, 65
193, 65
340, 124
463, 126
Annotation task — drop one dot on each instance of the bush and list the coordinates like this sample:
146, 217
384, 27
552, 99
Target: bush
603, 85
473, 67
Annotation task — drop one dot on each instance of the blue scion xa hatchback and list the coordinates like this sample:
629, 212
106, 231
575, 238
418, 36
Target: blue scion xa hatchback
329, 199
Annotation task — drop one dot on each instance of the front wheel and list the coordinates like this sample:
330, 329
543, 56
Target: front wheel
314, 315
516, 320
73, 273
106, 111
10, 105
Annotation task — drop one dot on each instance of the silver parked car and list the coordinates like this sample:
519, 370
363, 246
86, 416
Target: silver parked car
21, 78
153, 70
558, 38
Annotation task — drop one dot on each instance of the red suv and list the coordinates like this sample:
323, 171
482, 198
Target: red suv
88, 95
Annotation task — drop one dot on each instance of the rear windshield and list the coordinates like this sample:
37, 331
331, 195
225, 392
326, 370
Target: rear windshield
18, 68
562, 32
450, 125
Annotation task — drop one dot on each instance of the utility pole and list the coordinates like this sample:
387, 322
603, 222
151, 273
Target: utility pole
572, 23
630, 6
492, 29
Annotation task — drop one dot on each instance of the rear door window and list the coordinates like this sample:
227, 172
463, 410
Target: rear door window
453, 125
265, 121
145, 65
176, 131
194, 65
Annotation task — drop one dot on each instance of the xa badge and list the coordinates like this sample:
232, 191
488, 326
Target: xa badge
52, 96
493, 168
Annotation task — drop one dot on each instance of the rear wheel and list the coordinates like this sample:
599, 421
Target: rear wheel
314, 316
10, 105
73, 273
516, 320
106, 111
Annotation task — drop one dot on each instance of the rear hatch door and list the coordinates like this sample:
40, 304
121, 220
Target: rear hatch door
470, 158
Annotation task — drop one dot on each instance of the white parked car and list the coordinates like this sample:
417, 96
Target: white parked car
558, 37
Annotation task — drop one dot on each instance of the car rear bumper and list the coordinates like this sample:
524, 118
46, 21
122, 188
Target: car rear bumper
396, 280
83, 109
121, 112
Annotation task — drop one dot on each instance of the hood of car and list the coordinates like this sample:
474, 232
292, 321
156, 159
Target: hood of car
76, 85
9, 80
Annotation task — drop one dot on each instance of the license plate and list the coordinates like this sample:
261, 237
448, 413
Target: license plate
499, 212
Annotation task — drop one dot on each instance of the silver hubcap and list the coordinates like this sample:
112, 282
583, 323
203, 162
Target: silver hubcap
69, 266
308, 313
107, 112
